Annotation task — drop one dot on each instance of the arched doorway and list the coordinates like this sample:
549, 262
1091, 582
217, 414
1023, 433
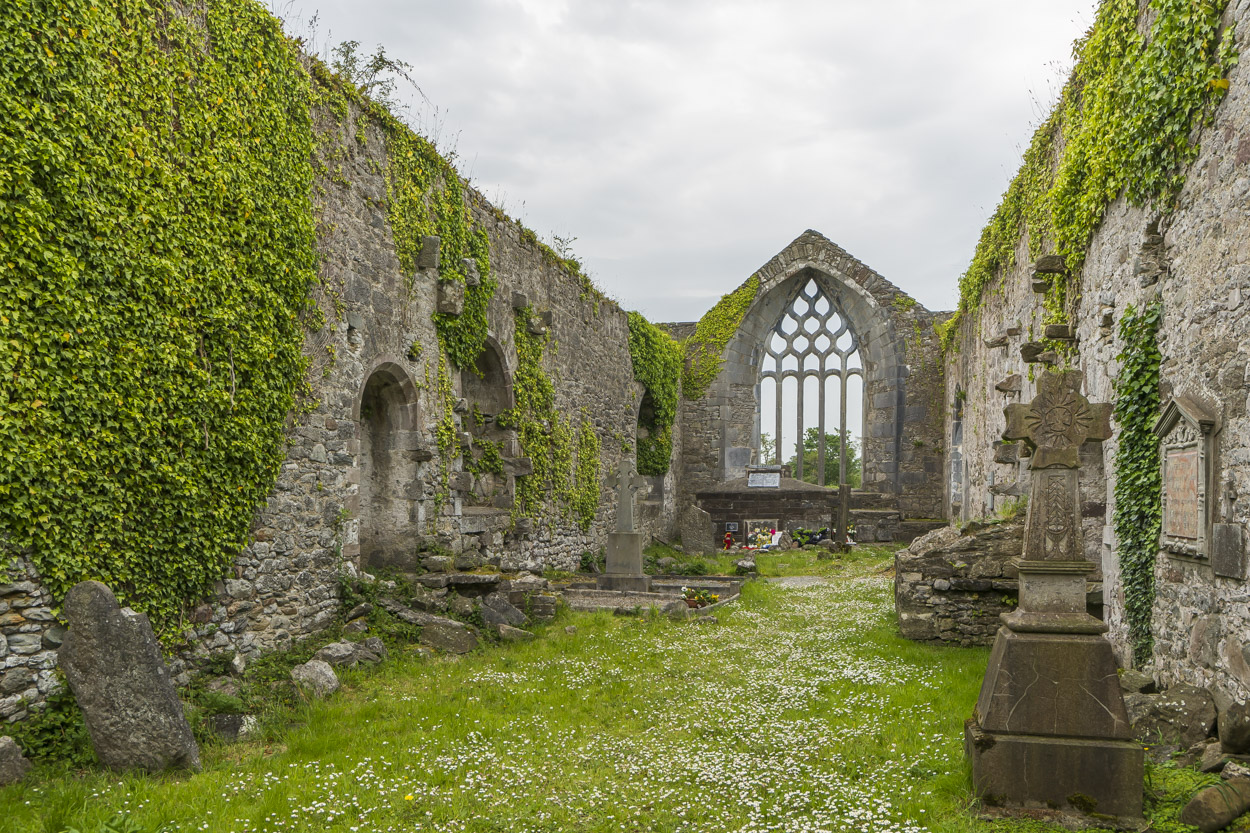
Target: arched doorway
389, 482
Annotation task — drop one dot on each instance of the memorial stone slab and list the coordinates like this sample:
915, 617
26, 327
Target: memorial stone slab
113, 665
1185, 430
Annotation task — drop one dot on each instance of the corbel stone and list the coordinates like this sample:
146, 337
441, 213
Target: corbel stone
431, 244
461, 406
520, 300
1030, 350
536, 326
450, 297
460, 481
1011, 489
1006, 452
1012, 384
1015, 330
1049, 358
997, 341
1060, 332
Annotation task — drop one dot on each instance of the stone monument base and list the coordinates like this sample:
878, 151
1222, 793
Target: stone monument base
1091, 778
624, 564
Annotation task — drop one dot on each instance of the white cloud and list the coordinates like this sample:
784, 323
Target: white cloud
685, 142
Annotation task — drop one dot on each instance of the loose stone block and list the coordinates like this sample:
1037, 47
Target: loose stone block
13, 764
454, 638
1006, 452
316, 676
1216, 807
113, 664
510, 634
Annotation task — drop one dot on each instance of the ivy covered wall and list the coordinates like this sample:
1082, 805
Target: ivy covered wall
215, 293
1137, 180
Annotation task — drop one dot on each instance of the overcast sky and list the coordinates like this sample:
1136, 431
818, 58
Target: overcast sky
683, 143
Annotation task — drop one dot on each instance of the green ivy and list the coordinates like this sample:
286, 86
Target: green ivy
156, 253
1126, 123
657, 365
1138, 489
547, 438
711, 335
586, 481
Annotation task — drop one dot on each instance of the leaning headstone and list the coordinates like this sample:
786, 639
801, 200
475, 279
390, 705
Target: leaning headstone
13, 764
1050, 730
696, 531
113, 664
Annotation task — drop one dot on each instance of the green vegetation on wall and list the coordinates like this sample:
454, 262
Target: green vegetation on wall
657, 365
1138, 488
155, 263
547, 439
1124, 124
711, 335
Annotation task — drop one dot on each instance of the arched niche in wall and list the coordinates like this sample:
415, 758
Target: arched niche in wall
389, 457
487, 389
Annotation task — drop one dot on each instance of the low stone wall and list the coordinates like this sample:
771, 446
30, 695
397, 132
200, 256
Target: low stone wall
29, 637
950, 586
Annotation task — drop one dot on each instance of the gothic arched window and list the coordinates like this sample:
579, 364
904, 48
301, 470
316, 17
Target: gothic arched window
814, 345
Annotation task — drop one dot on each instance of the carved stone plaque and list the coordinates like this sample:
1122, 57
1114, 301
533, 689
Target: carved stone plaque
1183, 517
1185, 430
764, 480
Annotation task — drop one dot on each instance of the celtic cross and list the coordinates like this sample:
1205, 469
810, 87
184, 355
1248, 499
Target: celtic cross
1057, 421
1054, 425
626, 481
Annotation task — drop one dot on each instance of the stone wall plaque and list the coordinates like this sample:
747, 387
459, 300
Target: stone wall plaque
731, 527
1185, 430
764, 480
1228, 554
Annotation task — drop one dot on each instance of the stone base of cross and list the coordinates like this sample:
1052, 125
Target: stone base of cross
1050, 733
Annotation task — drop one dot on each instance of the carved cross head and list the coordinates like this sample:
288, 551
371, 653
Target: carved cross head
1058, 421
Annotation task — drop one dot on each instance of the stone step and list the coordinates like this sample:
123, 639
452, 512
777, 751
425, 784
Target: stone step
592, 600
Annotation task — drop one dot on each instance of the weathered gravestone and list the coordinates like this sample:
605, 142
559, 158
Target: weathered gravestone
623, 570
113, 664
696, 531
1050, 730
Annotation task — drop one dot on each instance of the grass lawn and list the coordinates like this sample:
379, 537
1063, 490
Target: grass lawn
801, 710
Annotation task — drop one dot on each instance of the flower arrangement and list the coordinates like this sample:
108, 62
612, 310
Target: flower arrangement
699, 596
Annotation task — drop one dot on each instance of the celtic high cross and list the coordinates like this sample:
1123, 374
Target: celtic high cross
1054, 425
626, 481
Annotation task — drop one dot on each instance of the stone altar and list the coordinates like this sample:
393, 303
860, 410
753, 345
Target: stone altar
1050, 731
623, 570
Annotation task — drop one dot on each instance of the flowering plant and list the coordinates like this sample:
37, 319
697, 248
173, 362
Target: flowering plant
700, 595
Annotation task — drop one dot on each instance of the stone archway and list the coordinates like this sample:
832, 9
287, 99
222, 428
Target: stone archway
388, 461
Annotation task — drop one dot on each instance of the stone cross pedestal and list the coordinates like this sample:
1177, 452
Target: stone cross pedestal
624, 557
1050, 731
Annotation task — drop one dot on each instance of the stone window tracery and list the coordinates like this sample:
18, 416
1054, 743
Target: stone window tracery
812, 340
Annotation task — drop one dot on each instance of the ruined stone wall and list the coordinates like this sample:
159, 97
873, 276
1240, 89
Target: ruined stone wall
284, 584
1197, 261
